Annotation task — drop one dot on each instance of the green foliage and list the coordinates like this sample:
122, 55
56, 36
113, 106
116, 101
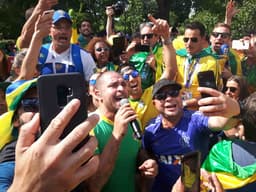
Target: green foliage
207, 18
244, 23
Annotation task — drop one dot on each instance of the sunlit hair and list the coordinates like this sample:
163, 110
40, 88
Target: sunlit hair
91, 46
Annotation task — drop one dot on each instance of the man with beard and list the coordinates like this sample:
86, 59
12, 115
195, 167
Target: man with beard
60, 56
85, 33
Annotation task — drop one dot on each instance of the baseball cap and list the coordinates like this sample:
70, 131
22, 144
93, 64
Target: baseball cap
60, 14
164, 83
14, 94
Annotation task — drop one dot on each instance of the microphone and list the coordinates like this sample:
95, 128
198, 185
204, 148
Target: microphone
134, 123
224, 49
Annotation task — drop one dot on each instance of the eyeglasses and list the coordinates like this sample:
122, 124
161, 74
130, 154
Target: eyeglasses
231, 89
30, 104
102, 49
222, 35
134, 74
149, 36
192, 39
164, 95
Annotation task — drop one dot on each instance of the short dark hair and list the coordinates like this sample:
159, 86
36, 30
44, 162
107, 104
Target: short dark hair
196, 25
249, 117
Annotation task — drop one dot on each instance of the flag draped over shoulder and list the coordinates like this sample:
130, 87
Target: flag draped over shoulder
230, 174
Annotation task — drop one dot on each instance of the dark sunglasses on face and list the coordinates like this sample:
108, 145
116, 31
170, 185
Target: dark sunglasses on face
134, 74
222, 35
164, 95
192, 39
231, 89
30, 104
149, 36
102, 49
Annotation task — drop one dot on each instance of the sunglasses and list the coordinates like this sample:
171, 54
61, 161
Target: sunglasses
222, 35
149, 36
134, 74
30, 104
231, 89
102, 49
92, 82
164, 95
192, 39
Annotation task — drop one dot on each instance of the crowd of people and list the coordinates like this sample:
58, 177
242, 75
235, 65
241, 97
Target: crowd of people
148, 84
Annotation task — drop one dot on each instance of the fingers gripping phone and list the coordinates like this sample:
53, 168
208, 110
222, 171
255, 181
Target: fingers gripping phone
206, 79
190, 171
55, 91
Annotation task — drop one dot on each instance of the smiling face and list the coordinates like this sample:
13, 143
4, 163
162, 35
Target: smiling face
232, 89
85, 28
61, 33
133, 80
170, 106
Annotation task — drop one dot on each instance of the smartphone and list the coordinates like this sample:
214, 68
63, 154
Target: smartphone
206, 79
118, 45
142, 48
55, 91
190, 171
240, 45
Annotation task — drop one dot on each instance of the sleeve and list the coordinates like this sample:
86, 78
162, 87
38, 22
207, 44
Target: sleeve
89, 66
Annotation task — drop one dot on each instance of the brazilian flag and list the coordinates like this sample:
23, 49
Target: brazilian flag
231, 175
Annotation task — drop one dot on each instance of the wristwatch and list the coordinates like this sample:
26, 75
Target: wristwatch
166, 41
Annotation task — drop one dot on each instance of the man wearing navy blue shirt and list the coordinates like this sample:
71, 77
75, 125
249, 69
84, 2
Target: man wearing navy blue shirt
176, 131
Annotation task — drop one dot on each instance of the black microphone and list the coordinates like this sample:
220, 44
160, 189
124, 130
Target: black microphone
134, 123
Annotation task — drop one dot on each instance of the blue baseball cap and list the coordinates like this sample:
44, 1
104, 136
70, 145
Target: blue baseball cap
60, 14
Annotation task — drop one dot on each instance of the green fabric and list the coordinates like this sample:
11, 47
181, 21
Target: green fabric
220, 160
123, 175
249, 72
231, 59
138, 60
183, 53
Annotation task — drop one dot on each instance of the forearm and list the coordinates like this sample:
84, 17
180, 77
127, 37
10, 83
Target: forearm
29, 28
107, 162
222, 123
109, 30
30, 61
169, 58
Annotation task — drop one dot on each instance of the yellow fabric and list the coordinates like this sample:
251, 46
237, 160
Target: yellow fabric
74, 36
6, 128
159, 63
144, 107
228, 181
205, 63
238, 61
18, 43
178, 42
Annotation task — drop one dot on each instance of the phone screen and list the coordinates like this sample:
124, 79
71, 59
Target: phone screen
190, 171
206, 79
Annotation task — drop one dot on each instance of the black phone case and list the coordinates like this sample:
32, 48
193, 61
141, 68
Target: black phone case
191, 161
206, 79
56, 90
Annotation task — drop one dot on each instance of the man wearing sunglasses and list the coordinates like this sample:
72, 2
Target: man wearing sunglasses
193, 59
176, 131
149, 63
228, 60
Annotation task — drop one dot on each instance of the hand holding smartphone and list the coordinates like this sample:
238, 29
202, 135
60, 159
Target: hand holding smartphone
55, 91
190, 171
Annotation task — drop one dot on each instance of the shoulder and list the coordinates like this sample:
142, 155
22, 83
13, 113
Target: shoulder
154, 124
